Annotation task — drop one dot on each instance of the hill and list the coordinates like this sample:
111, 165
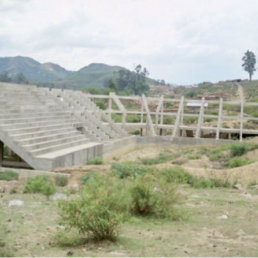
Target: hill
46, 74
93, 75
32, 69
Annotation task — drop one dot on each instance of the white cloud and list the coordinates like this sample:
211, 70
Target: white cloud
182, 41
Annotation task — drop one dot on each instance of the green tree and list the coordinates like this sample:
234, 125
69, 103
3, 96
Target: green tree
249, 63
20, 78
4, 77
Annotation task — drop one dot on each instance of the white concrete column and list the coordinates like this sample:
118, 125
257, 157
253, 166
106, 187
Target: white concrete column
1, 153
219, 118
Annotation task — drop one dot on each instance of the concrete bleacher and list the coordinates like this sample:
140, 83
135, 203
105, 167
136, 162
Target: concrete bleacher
54, 128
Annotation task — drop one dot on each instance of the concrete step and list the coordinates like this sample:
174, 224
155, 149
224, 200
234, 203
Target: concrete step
10, 121
44, 133
38, 128
48, 137
36, 114
59, 147
41, 145
37, 124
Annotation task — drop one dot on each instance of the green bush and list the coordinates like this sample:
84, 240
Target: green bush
135, 132
238, 149
129, 169
133, 118
9, 175
95, 161
190, 119
238, 162
153, 197
39, 184
168, 120
99, 210
194, 156
100, 104
176, 175
163, 157
201, 182
87, 176
61, 180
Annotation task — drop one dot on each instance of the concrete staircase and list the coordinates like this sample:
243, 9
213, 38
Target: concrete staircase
44, 131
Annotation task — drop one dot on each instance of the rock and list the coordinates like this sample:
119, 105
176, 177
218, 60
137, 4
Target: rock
117, 253
223, 216
240, 232
58, 196
254, 187
15, 203
247, 195
239, 187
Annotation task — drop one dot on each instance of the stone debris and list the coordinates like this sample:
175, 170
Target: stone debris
239, 187
15, 203
240, 232
223, 216
58, 196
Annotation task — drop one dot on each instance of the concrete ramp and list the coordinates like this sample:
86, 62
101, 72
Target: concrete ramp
47, 132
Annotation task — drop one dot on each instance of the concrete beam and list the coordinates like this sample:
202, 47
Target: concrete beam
219, 118
158, 110
178, 118
241, 121
1, 153
200, 120
149, 120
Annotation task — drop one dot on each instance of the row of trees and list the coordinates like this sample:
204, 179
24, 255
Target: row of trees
134, 82
18, 78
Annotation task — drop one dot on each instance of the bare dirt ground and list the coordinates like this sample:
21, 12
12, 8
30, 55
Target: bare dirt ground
217, 222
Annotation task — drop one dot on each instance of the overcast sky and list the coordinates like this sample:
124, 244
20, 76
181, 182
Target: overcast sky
180, 41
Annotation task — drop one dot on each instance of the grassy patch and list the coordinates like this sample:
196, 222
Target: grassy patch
9, 175
129, 169
238, 162
61, 180
161, 158
95, 161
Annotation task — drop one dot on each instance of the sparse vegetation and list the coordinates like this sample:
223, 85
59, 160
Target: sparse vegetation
9, 175
39, 184
151, 196
61, 180
98, 211
95, 161
129, 169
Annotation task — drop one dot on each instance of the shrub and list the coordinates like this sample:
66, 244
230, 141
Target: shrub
61, 180
238, 149
238, 162
39, 184
99, 210
87, 176
201, 182
129, 169
100, 104
133, 118
176, 175
163, 157
95, 161
153, 197
13, 190
194, 156
9, 175
135, 132
190, 119
168, 120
